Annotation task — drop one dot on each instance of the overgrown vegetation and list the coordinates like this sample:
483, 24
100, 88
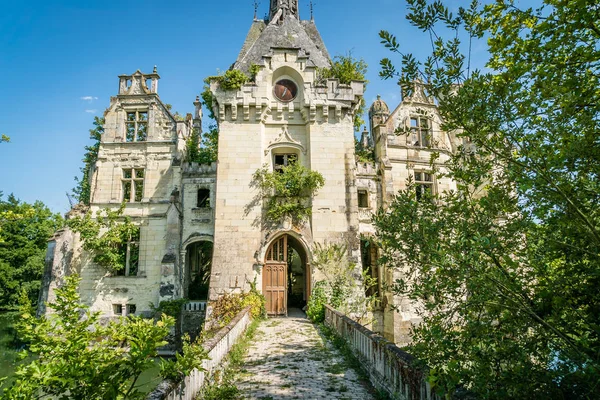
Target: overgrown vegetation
343, 288
229, 305
79, 357
83, 186
24, 232
288, 191
232, 79
4, 139
507, 276
363, 155
346, 69
203, 149
107, 236
221, 386
171, 308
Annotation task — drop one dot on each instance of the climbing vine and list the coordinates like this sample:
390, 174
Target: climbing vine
82, 190
288, 190
106, 236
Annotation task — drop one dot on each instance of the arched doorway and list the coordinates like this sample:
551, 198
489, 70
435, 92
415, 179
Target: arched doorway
198, 262
286, 275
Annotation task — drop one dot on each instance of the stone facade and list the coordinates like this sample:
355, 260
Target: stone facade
180, 206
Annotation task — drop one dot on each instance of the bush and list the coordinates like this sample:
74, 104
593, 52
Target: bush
316, 304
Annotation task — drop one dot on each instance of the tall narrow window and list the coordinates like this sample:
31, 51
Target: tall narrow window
420, 131
133, 185
368, 252
130, 254
423, 185
137, 126
283, 160
363, 199
203, 198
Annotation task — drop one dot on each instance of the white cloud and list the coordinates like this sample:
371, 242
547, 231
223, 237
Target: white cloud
89, 98
91, 111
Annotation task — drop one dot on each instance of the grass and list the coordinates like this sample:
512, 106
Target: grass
350, 360
221, 386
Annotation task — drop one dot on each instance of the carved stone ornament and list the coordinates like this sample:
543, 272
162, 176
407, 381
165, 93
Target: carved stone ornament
285, 140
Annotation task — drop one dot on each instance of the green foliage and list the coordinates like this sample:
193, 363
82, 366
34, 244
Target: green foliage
203, 149
289, 191
24, 232
232, 79
172, 308
363, 155
222, 386
79, 357
342, 289
4, 139
346, 69
229, 305
316, 303
254, 70
190, 358
506, 268
83, 186
106, 236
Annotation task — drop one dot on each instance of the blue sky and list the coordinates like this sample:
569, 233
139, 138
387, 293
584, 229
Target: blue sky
59, 62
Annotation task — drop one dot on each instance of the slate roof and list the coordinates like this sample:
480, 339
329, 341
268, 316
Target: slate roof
292, 33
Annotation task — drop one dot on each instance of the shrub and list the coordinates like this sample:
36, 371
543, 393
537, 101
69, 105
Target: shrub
316, 304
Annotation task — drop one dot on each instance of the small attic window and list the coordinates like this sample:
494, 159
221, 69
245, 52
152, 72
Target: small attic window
149, 84
128, 83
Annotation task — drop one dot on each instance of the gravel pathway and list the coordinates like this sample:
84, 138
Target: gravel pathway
289, 360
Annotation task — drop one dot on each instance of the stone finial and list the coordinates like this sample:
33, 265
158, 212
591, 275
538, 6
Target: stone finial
155, 71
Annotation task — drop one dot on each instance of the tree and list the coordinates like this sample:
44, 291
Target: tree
77, 357
4, 138
24, 232
203, 148
506, 268
82, 190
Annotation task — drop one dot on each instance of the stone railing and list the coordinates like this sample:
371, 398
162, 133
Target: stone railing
217, 348
195, 306
389, 368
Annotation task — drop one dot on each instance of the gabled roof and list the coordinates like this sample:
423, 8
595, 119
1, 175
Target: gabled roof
292, 34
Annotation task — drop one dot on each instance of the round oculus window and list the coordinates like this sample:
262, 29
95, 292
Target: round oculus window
285, 90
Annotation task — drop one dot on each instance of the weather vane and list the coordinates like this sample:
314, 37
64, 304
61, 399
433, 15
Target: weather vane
311, 11
256, 3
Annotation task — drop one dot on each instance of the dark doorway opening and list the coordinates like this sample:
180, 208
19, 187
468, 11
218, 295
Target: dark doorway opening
198, 262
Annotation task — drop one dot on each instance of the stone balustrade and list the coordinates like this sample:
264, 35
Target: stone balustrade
217, 347
199, 169
389, 368
195, 306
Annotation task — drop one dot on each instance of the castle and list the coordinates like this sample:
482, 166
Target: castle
200, 230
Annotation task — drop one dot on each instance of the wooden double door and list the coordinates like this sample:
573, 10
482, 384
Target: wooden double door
275, 276
282, 254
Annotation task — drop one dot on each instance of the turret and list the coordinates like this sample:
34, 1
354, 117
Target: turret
378, 113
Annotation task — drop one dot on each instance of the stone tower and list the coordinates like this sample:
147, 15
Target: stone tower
285, 113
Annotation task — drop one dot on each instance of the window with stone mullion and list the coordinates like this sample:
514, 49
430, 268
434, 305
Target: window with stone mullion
423, 185
136, 126
133, 185
420, 131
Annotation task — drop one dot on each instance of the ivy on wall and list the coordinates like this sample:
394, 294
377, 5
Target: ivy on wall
288, 191
106, 236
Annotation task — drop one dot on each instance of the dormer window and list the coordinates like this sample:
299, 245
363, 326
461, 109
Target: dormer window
137, 126
420, 132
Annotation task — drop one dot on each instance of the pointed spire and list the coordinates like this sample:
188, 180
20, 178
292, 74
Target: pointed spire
280, 9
